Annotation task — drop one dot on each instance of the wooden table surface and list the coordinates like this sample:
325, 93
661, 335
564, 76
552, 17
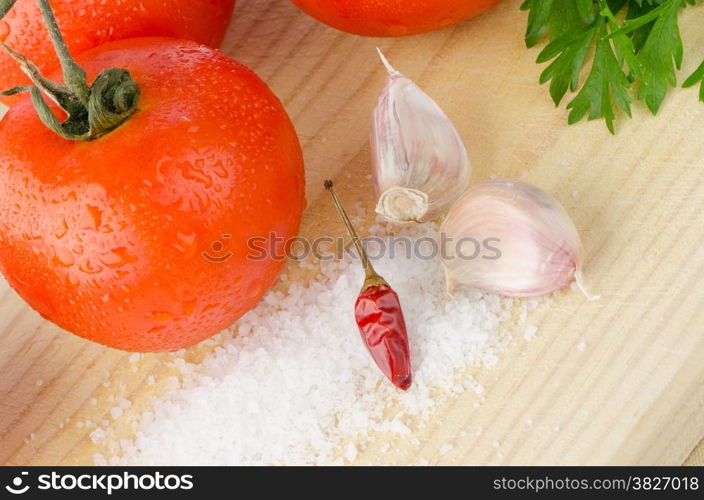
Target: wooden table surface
634, 395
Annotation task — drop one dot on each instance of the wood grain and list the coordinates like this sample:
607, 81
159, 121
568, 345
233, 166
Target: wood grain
633, 395
697, 456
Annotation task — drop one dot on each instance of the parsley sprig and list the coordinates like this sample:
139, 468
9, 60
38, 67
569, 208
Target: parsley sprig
637, 51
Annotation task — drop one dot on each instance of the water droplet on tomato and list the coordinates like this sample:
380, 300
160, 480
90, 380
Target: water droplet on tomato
195, 172
61, 229
397, 29
4, 31
254, 288
92, 218
118, 257
63, 257
161, 316
219, 169
187, 244
89, 267
210, 307
157, 329
189, 307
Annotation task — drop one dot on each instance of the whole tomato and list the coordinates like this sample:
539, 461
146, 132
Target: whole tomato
89, 23
392, 17
139, 239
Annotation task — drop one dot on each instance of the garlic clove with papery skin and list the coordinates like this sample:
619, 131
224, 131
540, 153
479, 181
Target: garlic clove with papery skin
510, 238
419, 161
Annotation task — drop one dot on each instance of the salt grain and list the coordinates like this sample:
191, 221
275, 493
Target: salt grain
291, 382
351, 452
530, 332
98, 436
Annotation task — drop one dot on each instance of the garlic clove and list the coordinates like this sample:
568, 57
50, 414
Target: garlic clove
419, 162
511, 238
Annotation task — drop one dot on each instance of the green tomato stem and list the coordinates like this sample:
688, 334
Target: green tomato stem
5, 6
74, 76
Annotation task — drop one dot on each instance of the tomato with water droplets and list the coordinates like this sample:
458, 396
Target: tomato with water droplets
392, 17
139, 239
89, 23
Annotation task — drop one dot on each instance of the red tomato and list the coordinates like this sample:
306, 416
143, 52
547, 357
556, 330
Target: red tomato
88, 23
392, 17
139, 239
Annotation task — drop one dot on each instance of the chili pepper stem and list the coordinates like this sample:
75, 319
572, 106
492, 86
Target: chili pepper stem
371, 277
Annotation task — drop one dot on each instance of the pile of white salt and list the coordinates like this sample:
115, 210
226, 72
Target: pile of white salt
293, 384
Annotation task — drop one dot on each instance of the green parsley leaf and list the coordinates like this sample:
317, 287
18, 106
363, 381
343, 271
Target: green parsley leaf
635, 11
569, 52
661, 53
606, 83
694, 78
637, 52
538, 15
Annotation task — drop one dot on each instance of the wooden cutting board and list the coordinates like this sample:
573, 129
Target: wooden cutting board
618, 381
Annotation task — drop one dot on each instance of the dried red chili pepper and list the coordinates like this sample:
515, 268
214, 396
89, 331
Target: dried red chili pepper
379, 315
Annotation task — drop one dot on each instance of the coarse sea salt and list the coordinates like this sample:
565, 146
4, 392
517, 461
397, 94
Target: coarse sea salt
291, 382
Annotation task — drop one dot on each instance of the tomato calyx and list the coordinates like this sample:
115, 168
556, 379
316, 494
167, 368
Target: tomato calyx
93, 110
